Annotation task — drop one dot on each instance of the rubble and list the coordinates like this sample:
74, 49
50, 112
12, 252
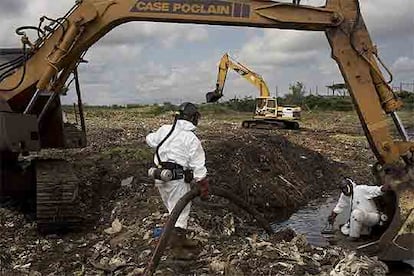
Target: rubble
115, 228
122, 207
352, 264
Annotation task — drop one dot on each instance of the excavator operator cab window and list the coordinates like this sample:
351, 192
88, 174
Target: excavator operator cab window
261, 106
260, 103
271, 103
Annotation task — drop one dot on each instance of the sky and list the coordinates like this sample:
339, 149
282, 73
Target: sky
147, 62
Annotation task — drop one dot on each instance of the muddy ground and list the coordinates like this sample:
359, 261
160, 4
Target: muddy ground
275, 171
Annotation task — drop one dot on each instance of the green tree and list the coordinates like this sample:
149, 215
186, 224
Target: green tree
296, 95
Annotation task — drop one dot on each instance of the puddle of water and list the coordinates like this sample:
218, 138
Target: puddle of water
311, 219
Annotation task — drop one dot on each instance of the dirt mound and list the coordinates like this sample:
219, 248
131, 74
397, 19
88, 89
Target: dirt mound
269, 172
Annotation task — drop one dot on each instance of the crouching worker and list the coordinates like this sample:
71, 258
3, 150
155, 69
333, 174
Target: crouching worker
364, 213
179, 159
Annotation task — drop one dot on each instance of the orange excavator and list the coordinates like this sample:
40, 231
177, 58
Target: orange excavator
267, 111
30, 86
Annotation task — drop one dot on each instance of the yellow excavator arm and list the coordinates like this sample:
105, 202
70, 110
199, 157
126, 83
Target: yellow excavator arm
226, 63
48, 62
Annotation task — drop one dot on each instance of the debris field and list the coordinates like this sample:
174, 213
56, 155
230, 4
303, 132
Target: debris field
274, 171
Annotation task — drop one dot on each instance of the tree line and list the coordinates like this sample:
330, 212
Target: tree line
296, 97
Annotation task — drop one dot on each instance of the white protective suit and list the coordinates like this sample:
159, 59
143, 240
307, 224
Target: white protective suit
183, 148
364, 213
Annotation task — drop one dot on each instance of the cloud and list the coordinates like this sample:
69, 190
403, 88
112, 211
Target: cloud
388, 19
11, 8
156, 62
167, 34
283, 48
403, 65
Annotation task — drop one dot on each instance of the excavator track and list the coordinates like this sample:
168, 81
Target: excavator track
57, 206
270, 124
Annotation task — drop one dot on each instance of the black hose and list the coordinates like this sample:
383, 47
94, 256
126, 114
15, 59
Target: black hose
23, 73
14, 64
9, 71
168, 228
11, 63
11, 66
58, 24
176, 212
50, 28
165, 139
56, 21
39, 27
64, 18
19, 30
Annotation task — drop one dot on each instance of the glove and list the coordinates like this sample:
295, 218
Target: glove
331, 218
203, 185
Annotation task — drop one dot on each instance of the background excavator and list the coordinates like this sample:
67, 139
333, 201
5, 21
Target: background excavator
31, 116
267, 112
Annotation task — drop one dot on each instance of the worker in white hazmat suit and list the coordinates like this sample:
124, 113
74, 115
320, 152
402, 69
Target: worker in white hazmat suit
179, 151
363, 211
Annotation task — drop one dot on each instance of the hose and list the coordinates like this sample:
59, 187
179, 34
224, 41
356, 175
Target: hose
58, 23
14, 64
19, 31
178, 208
165, 139
11, 63
65, 18
23, 73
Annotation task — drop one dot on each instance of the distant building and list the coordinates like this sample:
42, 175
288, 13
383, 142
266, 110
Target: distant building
340, 89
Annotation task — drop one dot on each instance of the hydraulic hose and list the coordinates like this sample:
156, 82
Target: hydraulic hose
165, 139
23, 73
14, 64
19, 31
11, 63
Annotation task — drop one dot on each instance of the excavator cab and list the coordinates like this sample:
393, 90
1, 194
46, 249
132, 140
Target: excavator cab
266, 107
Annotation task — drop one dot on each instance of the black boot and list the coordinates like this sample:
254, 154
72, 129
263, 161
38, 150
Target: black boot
180, 237
181, 247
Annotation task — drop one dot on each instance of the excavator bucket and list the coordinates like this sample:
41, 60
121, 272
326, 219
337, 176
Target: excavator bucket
213, 96
397, 242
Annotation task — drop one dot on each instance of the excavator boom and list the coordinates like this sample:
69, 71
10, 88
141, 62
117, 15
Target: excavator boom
31, 85
226, 63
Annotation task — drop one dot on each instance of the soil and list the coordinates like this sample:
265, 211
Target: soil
275, 171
